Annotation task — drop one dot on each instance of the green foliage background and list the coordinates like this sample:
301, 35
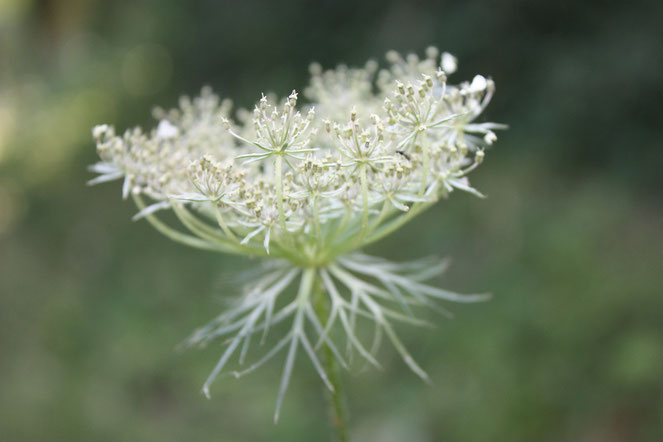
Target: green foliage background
570, 240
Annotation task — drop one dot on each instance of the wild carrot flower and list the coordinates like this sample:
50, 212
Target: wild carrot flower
305, 187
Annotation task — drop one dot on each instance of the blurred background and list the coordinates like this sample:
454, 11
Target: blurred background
570, 240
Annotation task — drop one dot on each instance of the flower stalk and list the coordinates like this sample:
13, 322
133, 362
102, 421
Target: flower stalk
335, 398
278, 173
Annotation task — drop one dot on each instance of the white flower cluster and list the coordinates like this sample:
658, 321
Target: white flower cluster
300, 182
310, 184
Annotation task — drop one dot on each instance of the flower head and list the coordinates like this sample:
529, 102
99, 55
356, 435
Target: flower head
308, 187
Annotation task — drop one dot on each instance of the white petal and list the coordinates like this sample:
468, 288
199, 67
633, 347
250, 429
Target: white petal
151, 209
104, 168
196, 197
449, 63
105, 178
126, 187
479, 83
165, 130
248, 237
99, 130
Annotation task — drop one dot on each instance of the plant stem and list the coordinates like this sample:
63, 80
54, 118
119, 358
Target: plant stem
364, 197
426, 160
278, 181
336, 406
335, 398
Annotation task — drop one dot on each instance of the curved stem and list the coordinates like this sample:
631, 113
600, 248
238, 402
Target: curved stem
223, 225
335, 398
209, 233
180, 237
397, 223
340, 227
383, 213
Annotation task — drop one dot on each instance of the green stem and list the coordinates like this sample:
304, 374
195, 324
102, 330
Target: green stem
278, 182
335, 398
341, 226
383, 213
426, 160
364, 196
415, 210
179, 236
223, 225
316, 219
211, 234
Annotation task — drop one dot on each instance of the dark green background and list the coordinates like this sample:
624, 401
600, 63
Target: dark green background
570, 240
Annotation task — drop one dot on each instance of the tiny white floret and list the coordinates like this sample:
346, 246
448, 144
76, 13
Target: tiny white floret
99, 130
449, 63
479, 83
165, 130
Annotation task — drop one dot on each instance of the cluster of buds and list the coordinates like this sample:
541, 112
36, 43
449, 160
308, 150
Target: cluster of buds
307, 188
286, 133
